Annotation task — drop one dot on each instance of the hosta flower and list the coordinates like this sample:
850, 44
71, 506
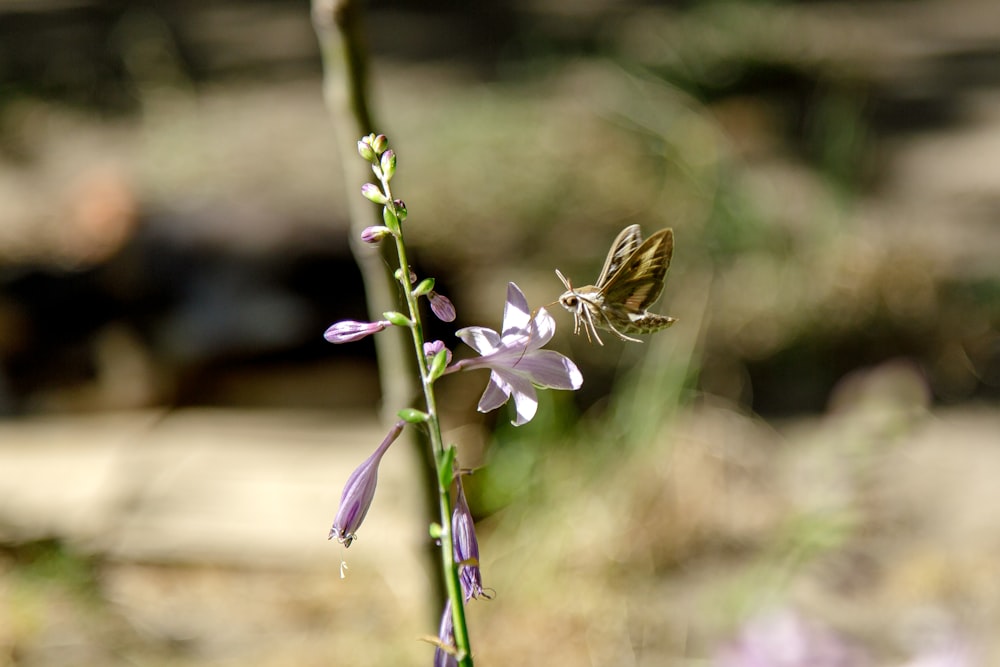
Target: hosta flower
359, 492
516, 360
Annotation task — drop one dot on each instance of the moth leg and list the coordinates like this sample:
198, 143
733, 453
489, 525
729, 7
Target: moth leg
591, 328
622, 336
611, 327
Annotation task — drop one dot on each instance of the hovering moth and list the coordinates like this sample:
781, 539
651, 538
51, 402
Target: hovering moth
630, 282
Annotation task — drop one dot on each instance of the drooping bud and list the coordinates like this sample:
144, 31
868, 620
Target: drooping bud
466, 546
359, 492
442, 307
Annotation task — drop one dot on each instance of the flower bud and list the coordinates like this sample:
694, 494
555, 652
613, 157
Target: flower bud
398, 273
374, 234
365, 150
380, 143
438, 357
388, 164
435, 347
466, 546
442, 307
359, 492
372, 193
348, 331
444, 654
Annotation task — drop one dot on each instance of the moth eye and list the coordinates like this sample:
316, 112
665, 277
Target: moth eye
569, 301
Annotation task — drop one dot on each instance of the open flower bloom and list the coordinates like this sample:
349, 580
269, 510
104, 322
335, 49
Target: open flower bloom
516, 360
359, 492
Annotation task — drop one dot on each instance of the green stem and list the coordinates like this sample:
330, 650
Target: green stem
453, 585
339, 31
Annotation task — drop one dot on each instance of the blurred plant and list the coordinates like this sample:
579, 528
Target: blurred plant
517, 365
785, 639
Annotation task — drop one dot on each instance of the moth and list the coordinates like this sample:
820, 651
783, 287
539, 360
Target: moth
630, 282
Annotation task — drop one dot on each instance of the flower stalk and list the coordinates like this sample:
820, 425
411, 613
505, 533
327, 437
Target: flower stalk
518, 367
384, 168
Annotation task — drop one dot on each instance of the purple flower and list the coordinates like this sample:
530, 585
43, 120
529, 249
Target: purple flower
348, 331
446, 638
359, 491
442, 307
463, 535
516, 360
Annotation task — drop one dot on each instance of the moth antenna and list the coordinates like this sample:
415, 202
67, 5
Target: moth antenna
565, 280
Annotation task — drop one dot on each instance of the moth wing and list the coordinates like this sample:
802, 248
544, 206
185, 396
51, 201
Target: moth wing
638, 282
623, 247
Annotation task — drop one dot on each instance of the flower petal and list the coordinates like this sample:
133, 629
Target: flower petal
543, 328
496, 394
548, 368
525, 399
482, 340
516, 313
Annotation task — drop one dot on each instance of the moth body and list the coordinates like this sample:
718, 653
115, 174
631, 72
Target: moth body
630, 282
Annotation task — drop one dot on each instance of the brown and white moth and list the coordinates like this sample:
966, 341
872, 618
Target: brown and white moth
630, 282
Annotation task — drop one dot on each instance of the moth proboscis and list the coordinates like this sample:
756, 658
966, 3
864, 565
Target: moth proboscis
630, 282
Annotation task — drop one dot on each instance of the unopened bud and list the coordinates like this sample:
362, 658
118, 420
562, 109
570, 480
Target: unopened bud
374, 234
371, 192
365, 151
388, 164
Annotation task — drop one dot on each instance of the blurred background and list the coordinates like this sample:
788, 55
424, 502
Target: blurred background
800, 472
